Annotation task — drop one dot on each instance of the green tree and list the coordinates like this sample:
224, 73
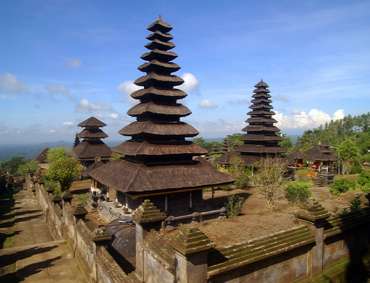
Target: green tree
234, 141
200, 141
12, 164
269, 178
63, 170
348, 153
286, 143
29, 167
55, 154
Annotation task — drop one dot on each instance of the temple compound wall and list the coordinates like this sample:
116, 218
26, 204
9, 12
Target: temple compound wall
97, 263
319, 246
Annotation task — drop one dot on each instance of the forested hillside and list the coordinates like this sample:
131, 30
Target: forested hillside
351, 135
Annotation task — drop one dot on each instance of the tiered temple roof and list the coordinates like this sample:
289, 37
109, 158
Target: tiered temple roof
262, 138
320, 152
317, 153
91, 147
158, 156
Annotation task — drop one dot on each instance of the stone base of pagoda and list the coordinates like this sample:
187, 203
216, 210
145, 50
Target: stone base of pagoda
173, 203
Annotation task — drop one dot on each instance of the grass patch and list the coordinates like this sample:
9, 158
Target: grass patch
9, 241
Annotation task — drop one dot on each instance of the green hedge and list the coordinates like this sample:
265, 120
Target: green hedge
298, 191
340, 186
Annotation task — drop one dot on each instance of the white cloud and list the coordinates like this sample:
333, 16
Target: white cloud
99, 109
52, 131
208, 104
113, 115
58, 89
306, 120
217, 128
338, 115
9, 84
68, 123
128, 87
190, 82
73, 63
86, 106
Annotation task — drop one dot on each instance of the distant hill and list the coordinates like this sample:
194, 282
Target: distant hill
30, 151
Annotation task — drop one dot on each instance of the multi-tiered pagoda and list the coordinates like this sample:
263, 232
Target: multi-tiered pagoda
262, 138
159, 162
91, 148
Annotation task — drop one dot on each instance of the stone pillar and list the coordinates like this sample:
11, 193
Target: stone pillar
112, 194
192, 247
316, 217
139, 266
147, 216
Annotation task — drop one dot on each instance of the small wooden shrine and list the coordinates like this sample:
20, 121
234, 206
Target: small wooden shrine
321, 157
262, 138
159, 162
91, 148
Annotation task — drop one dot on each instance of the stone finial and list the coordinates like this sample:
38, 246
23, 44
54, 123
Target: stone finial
147, 212
101, 235
67, 196
191, 240
315, 212
79, 211
56, 199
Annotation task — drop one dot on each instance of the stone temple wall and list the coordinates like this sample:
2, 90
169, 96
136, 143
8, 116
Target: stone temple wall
94, 260
313, 248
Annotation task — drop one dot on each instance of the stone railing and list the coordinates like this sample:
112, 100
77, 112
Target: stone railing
195, 216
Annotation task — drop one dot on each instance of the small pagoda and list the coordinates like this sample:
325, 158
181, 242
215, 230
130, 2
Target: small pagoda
262, 138
159, 162
91, 148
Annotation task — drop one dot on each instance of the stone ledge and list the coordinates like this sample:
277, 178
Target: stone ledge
262, 248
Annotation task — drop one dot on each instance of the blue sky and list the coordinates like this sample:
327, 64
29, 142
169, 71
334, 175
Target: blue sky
63, 61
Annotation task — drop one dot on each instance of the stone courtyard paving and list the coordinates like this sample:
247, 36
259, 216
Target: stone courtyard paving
31, 254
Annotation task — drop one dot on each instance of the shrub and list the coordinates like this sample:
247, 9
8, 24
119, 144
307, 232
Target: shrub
364, 181
62, 168
83, 198
365, 157
355, 204
234, 205
356, 168
298, 191
341, 186
57, 191
269, 177
364, 178
243, 179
